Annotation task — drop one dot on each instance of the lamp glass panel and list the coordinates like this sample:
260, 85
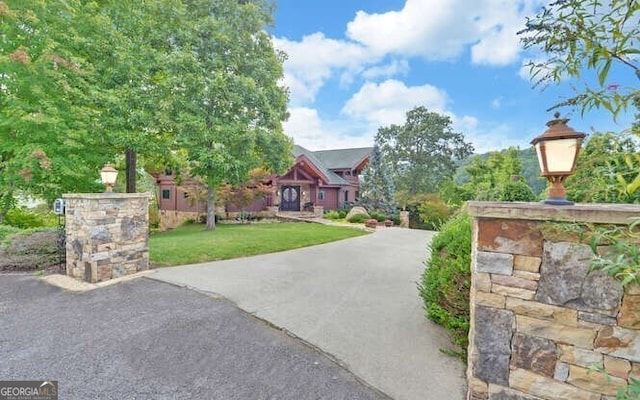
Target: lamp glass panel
560, 154
108, 177
539, 154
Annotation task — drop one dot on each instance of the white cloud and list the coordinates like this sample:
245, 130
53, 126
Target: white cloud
388, 102
377, 50
395, 67
492, 137
308, 130
496, 103
442, 29
314, 59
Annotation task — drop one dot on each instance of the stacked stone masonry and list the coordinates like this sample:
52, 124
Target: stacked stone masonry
543, 325
107, 235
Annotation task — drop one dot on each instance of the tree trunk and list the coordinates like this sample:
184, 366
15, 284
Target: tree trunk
131, 158
211, 209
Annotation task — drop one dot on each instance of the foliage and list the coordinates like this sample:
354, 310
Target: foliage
433, 213
622, 258
631, 392
358, 218
6, 231
606, 171
530, 170
25, 218
333, 214
132, 76
492, 178
445, 283
244, 195
587, 35
50, 140
231, 102
421, 153
82, 82
376, 189
517, 191
378, 216
193, 244
435, 210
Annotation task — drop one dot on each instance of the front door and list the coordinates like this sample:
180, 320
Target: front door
290, 198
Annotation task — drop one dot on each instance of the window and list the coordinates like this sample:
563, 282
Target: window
346, 195
321, 195
166, 194
357, 194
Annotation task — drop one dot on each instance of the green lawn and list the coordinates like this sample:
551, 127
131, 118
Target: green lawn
191, 244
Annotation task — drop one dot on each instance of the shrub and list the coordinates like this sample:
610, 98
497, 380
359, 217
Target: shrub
343, 213
396, 220
433, 213
358, 218
154, 216
517, 191
378, 216
445, 283
333, 214
23, 218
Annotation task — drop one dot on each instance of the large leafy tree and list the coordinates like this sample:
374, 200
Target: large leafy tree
376, 189
131, 60
581, 36
422, 151
231, 103
48, 143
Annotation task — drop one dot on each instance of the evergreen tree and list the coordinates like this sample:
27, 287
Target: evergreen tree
377, 187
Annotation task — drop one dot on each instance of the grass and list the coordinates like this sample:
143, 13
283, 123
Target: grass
190, 244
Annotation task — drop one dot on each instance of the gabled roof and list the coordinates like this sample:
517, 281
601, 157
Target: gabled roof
331, 177
343, 158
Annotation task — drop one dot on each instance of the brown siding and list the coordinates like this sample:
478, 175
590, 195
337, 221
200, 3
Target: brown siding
257, 205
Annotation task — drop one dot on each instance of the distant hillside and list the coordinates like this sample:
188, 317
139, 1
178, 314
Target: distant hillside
530, 169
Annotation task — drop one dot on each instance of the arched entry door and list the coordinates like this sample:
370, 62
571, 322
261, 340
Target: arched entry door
290, 198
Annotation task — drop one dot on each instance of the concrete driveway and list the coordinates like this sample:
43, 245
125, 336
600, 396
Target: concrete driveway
355, 299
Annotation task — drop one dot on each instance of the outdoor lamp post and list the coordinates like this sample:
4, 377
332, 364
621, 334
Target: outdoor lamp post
108, 175
557, 150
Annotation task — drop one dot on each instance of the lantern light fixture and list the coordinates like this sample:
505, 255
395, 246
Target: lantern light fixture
108, 175
557, 149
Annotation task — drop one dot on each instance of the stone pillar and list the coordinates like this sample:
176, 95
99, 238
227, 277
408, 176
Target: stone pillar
404, 219
318, 211
543, 324
107, 235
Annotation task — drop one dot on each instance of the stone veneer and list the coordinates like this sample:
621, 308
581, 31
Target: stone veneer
542, 325
107, 235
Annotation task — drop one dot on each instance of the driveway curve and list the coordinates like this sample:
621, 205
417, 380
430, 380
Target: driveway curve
354, 299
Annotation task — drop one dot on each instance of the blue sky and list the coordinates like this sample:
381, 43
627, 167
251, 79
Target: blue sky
356, 65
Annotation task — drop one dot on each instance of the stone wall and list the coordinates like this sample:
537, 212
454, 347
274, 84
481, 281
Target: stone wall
170, 219
107, 235
543, 325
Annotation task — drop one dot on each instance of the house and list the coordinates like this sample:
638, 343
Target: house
326, 179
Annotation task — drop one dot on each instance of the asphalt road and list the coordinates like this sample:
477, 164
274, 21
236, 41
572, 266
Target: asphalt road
144, 339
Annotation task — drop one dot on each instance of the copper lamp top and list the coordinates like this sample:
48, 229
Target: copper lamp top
558, 129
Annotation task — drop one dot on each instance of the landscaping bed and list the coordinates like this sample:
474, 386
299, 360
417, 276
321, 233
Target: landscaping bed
30, 251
